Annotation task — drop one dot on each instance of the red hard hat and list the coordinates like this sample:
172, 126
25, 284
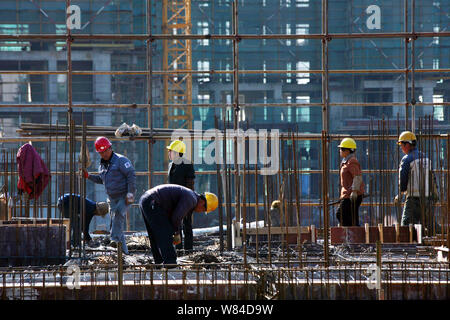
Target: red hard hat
102, 144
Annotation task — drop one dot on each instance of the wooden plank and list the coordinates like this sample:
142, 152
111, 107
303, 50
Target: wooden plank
366, 228
380, 230
277, 230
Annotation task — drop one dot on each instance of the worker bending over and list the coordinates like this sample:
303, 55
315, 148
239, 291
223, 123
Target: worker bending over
92, 209
163, 208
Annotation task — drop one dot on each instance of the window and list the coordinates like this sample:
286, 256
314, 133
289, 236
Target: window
203, 29
435, 63
302, 78
227, 31
203, 65
288, 31
302, 3
302, 114
301, 29
14, 45
264, 41
289, 75
242, 109
264, 74
203, 98
228, 75
438, 112
82, 85
379, 95
436, 39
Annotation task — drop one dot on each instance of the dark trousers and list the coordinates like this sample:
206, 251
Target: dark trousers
187, 237
160, 232
74, 227
348, 212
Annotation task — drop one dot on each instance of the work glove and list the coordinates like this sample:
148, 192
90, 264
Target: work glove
353, 196
176, 239
130, 198
397, 199
84, 173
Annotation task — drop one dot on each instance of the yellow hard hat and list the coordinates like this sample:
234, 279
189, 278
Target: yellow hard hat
211, 201
406, 136
348, 143
102, 208
275, 204
177, 146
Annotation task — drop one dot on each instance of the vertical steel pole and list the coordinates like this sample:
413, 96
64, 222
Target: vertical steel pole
119, 271
237, 174
407, 126
325, 128
149, 91
413, 98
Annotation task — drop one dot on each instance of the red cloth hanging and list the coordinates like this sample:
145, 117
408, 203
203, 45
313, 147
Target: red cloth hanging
33, 173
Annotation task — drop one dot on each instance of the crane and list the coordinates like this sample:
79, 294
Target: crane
177, 56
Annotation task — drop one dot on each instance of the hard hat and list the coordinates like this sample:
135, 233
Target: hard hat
102, 144
102, 208
211, 201
406, 136
177, 146
347, 143
275, 204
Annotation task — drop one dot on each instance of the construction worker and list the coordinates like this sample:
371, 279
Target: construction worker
117, 174
163, 208
352, 185
92, 209
275, 213
182, 172
414, 180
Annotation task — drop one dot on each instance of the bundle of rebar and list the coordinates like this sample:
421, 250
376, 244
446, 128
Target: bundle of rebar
38, 130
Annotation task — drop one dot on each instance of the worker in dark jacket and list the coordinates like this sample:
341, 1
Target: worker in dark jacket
182, 172
163, 208
92, 209
117, 174
352, 185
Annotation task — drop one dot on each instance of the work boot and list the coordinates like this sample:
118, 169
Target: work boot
92, 243
171, 266
106, 242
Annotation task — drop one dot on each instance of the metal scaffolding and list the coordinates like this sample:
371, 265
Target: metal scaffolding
270, 266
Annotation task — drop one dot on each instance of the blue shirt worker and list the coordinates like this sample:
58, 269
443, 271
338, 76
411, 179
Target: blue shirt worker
182, 172
163, 208
92, 208
117, 174
414, 180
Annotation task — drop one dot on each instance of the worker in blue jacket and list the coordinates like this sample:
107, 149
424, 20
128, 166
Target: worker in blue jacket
92, 209
163, 209
118, 176
414, 181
